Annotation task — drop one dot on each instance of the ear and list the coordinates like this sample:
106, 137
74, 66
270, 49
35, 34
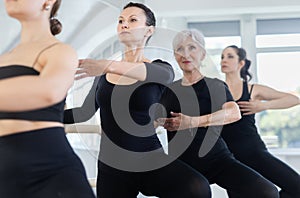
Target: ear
49, 3
149, 31
242, 64
203, 55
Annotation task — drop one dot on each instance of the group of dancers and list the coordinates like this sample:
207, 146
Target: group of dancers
210, 123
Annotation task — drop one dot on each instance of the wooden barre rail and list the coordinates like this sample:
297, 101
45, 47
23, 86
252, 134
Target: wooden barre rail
84, 128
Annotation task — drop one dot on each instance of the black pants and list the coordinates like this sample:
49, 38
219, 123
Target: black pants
220, 167
41, 164
176, 180
276, 171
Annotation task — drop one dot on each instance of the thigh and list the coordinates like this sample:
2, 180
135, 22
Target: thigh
113, 183
65, 184
176, 180
274, 170
245, 182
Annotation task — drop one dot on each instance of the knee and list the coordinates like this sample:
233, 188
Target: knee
270, 192
200, 189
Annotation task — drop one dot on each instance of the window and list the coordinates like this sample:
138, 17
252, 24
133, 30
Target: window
278, 57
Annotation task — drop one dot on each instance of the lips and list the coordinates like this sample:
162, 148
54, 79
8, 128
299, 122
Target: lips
124, 32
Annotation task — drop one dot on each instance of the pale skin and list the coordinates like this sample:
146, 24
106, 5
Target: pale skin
133, 33
189, 56
262, 97
56, 65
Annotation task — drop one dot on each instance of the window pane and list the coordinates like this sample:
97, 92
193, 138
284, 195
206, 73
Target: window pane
278, 26
221, 42
280, 71
280, 40
217, 28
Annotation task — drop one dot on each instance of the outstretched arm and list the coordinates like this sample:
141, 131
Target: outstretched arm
140, 71
32, 92
265, 97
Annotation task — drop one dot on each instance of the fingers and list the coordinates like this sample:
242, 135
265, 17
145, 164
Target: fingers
243, 102
83, 62
80, 62
175, 114
78, 77
247, 113
80, 71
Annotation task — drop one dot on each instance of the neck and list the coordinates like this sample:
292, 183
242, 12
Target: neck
35, 31
134, 54
232, 78
190, 78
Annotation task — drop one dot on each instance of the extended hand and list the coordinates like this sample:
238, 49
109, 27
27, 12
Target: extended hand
179, 121
250, 107
90, 67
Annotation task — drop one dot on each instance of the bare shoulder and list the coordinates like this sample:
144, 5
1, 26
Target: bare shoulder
62, 49
254, 89
60, 54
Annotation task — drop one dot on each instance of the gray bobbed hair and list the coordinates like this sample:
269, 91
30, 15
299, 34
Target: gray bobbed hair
196, 35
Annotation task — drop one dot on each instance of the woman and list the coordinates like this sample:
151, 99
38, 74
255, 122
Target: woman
131, 158
199, 106
242, 137
36, 158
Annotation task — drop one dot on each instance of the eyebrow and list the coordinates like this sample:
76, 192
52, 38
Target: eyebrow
129, 16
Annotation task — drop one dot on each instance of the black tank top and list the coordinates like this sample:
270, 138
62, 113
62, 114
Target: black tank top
52, 113
245, 128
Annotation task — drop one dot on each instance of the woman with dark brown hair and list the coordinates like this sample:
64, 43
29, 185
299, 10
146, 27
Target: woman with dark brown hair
242, 137
131, 158
36, 158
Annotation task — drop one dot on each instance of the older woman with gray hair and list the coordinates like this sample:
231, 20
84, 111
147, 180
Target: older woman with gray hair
196, 108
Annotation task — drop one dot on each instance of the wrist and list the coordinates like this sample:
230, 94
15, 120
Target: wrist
191, 126
108, 67
206, 120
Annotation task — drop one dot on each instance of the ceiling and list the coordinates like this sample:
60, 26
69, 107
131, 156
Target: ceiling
86, 23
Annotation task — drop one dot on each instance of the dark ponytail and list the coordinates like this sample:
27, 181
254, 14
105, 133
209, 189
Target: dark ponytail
242, 54
55, 25
245, 74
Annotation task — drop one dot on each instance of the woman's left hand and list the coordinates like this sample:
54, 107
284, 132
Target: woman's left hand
251, 107
90, 67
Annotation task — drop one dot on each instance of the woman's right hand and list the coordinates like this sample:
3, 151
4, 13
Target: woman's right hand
91, 67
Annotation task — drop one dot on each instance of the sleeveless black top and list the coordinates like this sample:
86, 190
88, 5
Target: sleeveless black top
245, 128
53, 113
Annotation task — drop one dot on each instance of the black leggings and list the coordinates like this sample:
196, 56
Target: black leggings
41, 164
176, 180
220, 167
271, 168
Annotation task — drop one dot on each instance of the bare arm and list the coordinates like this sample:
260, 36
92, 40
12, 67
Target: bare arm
264, 98
90, 67
31, 92
228, 114
156, 71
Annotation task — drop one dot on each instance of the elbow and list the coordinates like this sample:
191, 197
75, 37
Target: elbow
234, 113
237, 116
